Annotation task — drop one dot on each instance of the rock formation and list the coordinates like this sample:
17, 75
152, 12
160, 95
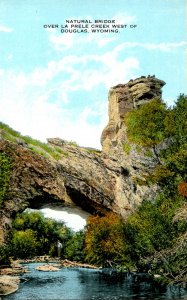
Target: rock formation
96, 181
8, 284
122, 99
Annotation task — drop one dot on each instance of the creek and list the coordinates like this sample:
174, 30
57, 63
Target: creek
88, 284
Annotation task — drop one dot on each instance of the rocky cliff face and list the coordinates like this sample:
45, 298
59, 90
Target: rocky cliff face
33, 181
123, 98
96, 181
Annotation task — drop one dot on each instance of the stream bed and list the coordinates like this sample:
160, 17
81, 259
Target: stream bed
88, 284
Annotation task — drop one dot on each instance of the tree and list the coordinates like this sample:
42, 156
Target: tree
153, 123
46, 231
145, 125
104, 240
182, 187
175, 155
4, 255
176, 121
5, 166
75, 247
24, 243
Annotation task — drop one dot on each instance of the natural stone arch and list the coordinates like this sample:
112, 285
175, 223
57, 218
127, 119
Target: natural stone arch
36, 182
96, 181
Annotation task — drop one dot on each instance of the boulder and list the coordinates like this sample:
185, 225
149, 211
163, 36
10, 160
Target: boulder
47, 268
8, 284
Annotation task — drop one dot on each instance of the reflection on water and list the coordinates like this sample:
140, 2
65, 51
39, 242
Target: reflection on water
87, 284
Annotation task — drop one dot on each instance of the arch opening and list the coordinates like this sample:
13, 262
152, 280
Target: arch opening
73, 217
73, 213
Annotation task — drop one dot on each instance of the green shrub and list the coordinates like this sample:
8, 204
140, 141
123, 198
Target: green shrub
9, 130
149, 153
5, 167
104, 240
35, 145
73, 143
24, 244
43, 233
93, 150
4, 256
9, 137
126, 148
139, 149
75, 247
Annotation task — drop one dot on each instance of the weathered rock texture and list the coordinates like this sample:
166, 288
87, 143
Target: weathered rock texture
96, 181
8, 284
47, 268
33, 180
122, 99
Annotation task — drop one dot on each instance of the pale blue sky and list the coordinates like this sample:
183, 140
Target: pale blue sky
54, 84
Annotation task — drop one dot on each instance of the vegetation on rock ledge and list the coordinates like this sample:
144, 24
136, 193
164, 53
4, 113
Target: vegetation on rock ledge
35, 145
5, 166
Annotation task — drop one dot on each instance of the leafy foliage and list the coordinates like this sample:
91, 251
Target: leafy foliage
32, 228
4, 256
5, 167
110, 241
9, 130
151, 228
24, 243
33, 144
183, 189
163, 125
104, 240
126, 148
74, 249
145, 126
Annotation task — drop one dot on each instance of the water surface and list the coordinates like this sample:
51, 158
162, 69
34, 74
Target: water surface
88, 284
